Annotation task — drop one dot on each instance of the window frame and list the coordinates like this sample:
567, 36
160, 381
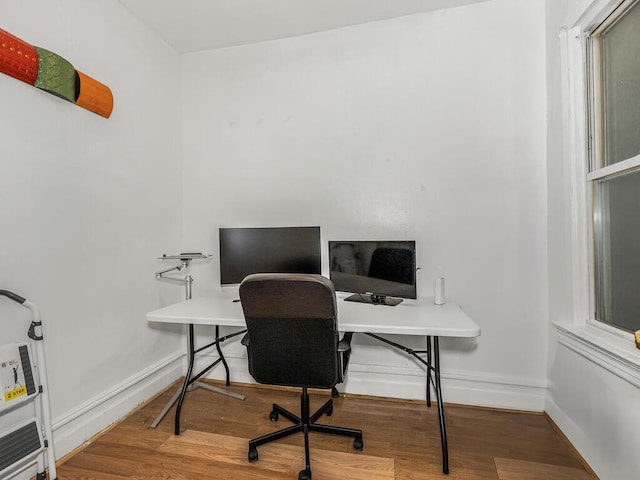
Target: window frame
596, 147
596, 170
605, 345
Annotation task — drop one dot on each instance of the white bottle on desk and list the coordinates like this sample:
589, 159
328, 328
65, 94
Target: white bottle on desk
438, 298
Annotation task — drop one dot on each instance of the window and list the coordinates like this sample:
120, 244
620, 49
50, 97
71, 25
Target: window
613, 178
600, 72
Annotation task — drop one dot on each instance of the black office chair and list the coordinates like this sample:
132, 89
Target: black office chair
292, 341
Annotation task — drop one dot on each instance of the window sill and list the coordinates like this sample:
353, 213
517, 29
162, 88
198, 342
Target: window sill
613, 352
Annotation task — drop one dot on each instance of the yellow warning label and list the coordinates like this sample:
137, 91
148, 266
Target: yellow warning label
13, 394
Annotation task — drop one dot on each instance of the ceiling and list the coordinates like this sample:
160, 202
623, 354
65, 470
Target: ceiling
194, 25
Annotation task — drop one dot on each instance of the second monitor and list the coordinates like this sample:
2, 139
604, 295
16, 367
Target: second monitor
379, 272
268, 250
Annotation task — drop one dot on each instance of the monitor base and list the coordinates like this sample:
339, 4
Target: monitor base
373, 299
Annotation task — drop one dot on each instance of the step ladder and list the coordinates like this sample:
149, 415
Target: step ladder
29, 440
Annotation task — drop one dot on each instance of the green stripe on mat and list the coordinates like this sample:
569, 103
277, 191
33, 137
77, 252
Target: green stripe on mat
56, 75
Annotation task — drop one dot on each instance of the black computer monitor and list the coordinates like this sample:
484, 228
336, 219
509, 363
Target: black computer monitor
268, 250
380, 272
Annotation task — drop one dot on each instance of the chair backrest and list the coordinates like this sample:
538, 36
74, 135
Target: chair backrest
291, 325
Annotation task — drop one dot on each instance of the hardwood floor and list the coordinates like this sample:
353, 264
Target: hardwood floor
401, 442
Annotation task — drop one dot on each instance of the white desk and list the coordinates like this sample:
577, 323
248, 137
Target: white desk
412, 317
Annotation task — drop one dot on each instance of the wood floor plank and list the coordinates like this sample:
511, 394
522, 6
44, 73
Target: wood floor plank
492, 433
99, 464
281, 458
138, 463
510, 469
73, 473
475, 469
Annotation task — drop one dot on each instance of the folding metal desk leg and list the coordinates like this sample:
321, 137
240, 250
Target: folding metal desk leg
429, 379
187, 379
441, 420
166, 409
224, 361
213, 388
189, 384
176, 396
433, 379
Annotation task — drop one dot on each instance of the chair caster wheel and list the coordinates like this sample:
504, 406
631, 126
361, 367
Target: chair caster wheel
253, 454
329, 411
357, 444
304, 475
273, 416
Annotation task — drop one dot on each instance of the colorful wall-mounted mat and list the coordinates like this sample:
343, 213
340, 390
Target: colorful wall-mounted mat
94, 96
56, 75
18, 58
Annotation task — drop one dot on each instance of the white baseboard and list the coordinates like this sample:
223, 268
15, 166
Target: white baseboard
564, 423
571, 431
79, 425
462, 387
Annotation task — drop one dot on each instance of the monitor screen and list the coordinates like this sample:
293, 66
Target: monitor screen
382, 268
268, 250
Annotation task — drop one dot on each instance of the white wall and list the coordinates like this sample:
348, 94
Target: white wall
429, 127
86, 204
593, 407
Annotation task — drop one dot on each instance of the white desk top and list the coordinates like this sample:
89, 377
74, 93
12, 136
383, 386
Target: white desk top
411, 317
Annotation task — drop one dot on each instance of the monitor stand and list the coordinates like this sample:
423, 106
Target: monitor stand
374, 299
